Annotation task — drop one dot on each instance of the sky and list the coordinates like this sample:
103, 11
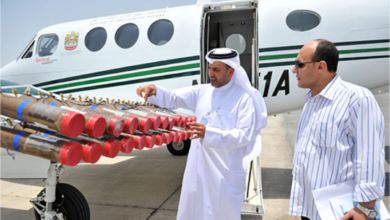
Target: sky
20, 20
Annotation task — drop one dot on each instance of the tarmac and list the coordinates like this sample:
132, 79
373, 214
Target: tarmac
146, 184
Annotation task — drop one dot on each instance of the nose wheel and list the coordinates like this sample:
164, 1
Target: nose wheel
70, 204
59, 201
179, 149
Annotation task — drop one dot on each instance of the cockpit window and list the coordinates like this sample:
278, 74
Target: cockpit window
303, 20
96, 39
160, 32
127, 35
47, 45
29, 51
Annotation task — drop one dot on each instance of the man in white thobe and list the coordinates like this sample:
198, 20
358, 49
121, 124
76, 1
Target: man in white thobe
230, 114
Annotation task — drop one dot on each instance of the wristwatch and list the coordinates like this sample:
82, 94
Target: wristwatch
371, 213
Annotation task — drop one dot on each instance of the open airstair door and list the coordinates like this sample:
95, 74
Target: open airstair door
234, 25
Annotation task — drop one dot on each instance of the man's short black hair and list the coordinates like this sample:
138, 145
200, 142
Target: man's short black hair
327, 52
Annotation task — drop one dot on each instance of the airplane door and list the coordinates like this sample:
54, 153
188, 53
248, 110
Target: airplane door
232, 25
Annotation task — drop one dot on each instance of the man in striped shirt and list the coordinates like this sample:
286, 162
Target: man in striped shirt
340, 136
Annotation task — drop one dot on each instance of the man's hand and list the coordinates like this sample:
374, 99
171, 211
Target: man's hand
147, 91
196, 128
355, 214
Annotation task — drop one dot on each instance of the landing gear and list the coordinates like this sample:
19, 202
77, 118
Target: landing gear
70, 203
179, 149
59, 201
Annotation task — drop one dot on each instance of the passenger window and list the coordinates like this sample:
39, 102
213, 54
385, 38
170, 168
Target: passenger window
96, 39
29, 52
127, 35
47, 45
303, 20
160, 32
237, 42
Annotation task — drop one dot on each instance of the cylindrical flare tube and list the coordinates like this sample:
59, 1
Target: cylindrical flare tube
67, 122
150, 141
91, 150
53, 149
127, 144
142, 142
110, 146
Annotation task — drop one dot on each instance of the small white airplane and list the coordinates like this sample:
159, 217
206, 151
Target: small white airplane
112, 56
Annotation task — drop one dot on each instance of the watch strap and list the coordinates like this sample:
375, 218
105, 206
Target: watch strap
366, 211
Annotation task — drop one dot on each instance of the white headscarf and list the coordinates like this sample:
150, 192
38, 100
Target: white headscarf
240, 78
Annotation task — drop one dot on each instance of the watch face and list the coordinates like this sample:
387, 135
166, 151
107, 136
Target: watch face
372, 214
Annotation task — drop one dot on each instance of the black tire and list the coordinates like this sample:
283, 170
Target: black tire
69, 201
179, 149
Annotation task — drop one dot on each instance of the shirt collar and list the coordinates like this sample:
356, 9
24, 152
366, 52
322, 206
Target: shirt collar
329, 91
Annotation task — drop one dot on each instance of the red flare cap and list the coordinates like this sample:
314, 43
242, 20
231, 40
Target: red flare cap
145, 124
115, 126
131, 124
189, 119
173, 135
176, 138
193, 119
71, 153
159, 139
96, 126
171, 123
185, 135
178, 120
127, 144
111, 148
164, 122
179, 137
150, 141
183, 121
72, 124
92, 152
156, 120
140, 142
167, 138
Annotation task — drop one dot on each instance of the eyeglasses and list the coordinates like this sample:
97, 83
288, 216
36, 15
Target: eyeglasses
301, 64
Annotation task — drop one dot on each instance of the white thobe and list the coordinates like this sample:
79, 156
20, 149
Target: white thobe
214, 178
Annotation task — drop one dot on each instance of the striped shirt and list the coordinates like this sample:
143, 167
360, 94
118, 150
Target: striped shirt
341, 137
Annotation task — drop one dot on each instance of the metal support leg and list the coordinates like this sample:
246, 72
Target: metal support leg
48, 195
50, 185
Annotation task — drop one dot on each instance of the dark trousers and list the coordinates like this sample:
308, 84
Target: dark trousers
304, 218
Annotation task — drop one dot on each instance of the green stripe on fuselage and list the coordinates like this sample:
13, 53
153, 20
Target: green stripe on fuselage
291, 63
293, 55
129, 82
126, 76
119, 70
295, 47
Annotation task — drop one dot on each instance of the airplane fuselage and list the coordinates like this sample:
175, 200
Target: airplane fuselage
74, 65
